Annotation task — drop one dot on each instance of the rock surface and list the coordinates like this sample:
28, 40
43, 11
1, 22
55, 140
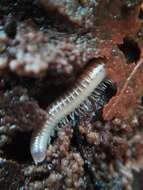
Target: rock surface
44, 45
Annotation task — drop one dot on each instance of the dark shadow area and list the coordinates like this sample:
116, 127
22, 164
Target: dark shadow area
49, 94
142, 100
141, 14
130, 50
138, 181
19, 149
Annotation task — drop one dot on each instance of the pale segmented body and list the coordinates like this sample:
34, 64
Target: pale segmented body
72, 101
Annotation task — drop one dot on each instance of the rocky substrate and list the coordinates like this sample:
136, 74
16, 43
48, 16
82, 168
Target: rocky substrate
44, 45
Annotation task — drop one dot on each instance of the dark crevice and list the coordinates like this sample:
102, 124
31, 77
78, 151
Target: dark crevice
130, 50
18, 150
137, 182
93, 182
141, 14
10, 27
87, 165
142, 100
49, 94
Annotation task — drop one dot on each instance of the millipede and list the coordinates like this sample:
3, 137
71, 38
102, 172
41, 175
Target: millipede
90, 85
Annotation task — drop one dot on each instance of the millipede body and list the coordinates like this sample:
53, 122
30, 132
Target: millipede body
73, 101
